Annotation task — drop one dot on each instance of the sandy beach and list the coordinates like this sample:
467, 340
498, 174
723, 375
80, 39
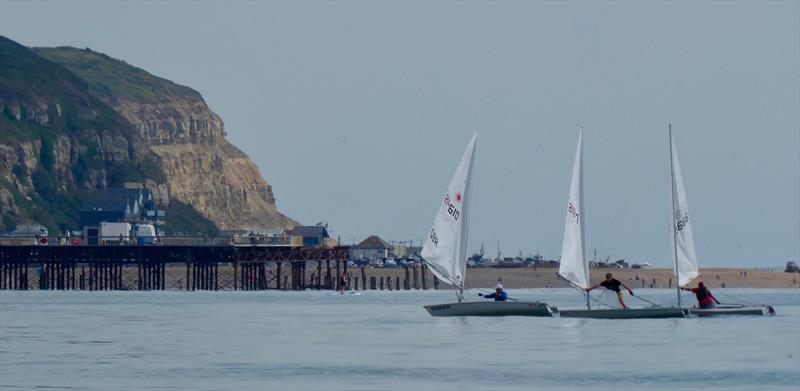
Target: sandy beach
517, 278
635, 278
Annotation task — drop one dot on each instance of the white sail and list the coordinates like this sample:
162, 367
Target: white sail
446, 247
683, 242
574, 266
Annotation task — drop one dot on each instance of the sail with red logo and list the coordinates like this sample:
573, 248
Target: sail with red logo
445, 249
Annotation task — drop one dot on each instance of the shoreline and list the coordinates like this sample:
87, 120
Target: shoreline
516, 278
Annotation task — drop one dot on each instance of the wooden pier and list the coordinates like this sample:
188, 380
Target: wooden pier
188, 267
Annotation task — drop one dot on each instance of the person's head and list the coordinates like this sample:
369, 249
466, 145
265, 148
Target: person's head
701, 285
609, 276
498, 288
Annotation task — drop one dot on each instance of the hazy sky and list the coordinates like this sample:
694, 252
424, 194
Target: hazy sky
357, 113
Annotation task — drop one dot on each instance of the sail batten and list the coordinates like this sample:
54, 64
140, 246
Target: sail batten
686, 268
573, 266
446, 246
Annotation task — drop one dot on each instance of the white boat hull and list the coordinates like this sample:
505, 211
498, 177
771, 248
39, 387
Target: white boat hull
733, 310
492, 308
634, 313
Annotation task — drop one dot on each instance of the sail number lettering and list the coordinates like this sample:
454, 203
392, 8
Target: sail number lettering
433, 237
573, 212
681, 222
452, 210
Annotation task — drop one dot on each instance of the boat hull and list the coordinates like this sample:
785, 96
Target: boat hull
492, 308
634, 313
744, 310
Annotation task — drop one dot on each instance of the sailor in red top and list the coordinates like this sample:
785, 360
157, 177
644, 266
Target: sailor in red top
704, 297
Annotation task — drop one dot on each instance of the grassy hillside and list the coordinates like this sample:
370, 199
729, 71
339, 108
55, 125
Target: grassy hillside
44, 105
105, 74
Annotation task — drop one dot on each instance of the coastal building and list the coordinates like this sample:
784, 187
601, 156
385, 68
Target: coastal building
372, 248
405, 251
131, 204
313, 235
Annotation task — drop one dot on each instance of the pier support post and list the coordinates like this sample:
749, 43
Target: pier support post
328, 282
278, 277
364, 277
319, 275
338, 277
235, 265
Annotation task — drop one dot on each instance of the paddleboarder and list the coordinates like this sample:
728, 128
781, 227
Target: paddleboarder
498, 295
704, 297
613, 284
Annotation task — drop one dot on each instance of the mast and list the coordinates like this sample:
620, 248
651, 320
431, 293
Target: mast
672, 213
582, 218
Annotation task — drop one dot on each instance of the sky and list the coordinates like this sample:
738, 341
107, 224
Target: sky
357, 113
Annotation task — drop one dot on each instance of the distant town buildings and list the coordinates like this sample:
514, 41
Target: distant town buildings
406, 251
372, 248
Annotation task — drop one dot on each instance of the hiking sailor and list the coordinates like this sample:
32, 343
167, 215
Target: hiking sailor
613, 284
704, 297
498, 295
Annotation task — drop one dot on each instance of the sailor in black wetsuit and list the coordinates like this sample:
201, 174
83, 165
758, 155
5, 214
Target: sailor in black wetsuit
613, 284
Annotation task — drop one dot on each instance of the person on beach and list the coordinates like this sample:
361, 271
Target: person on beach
498, 295
613, 284
704, 297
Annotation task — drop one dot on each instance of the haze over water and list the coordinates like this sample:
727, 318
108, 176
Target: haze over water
380, 340
357, 112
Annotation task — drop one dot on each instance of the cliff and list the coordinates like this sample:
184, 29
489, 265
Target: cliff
79, 120
202, 168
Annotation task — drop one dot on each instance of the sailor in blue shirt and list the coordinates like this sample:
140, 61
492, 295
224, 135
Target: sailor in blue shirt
498, 295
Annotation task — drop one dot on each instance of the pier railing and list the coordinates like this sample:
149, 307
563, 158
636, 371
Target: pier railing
278, 241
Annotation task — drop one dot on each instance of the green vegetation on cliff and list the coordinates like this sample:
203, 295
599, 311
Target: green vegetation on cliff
59, 141
96, 68
183, 220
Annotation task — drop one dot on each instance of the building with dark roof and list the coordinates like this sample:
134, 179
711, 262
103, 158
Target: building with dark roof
372, 248
313, 235
120, 205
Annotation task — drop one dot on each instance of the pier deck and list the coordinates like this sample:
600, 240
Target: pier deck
167, 266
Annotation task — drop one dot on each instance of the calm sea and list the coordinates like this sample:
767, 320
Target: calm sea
381, 341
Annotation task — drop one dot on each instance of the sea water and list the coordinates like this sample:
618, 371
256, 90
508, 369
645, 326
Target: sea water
382, 340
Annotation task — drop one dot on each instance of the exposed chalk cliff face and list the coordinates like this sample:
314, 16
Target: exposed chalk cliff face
75, 120
203, 169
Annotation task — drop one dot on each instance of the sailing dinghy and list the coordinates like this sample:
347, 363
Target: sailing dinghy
685, 258
445, 251
574, 266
